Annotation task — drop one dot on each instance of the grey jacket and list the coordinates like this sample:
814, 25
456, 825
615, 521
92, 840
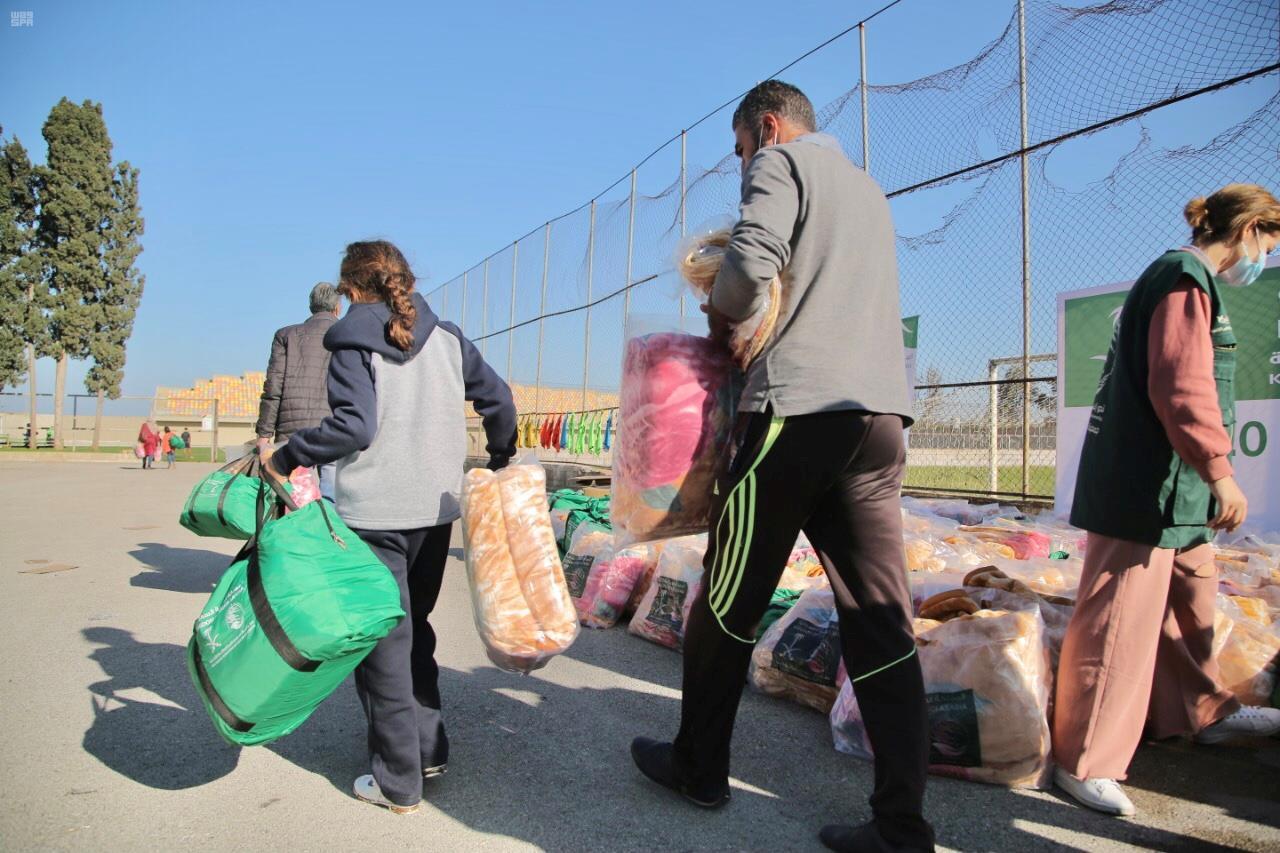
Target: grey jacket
294, 397
808, 210
398, 430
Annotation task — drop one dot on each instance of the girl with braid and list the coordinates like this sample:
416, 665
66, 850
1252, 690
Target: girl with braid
398, 382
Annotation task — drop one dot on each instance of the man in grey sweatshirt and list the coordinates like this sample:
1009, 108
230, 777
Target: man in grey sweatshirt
819, 449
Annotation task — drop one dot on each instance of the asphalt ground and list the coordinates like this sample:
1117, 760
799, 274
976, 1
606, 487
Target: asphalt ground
105, 745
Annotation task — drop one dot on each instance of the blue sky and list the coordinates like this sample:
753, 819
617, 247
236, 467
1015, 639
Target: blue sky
270, 135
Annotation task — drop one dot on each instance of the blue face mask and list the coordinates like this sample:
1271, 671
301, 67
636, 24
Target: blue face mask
1245, 271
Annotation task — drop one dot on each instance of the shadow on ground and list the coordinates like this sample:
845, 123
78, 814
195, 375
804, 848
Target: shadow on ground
549, 764
167, 744
172, 569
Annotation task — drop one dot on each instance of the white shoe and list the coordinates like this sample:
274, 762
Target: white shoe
367, 790
1249, 721
1103, 795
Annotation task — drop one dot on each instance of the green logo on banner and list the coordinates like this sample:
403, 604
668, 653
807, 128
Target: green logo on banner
910, 331
1255, 316
1091, 323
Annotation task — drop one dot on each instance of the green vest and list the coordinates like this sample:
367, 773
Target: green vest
1132, 484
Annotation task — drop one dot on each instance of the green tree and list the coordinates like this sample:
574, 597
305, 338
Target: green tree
117, 302
76, 203
23, 327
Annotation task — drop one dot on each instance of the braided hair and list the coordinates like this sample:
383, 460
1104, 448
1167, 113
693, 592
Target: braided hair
375, 270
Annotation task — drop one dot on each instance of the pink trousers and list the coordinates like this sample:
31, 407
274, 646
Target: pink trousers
1139, 648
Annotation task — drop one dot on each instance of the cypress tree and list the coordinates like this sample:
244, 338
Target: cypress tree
23, 326
76, 203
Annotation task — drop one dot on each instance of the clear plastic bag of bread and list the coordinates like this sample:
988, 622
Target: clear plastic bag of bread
521, 602
1247, 650
698, 258
987, 685
798, 658
663, 612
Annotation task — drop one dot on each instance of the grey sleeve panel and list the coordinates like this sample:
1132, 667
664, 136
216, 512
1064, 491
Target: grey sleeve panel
760, 246
353, 424
491, 397
272, 388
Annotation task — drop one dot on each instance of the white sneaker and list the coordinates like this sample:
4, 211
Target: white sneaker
1249, 721
1103, 795
367, 790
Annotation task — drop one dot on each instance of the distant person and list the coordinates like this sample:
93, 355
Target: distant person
167, 447
1155, 485
186, 443
149, 441
295, 395
400, 379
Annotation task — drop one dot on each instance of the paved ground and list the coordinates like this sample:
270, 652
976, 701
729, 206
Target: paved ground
105, 745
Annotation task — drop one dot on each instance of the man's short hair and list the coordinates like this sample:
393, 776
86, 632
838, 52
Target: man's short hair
781, 99
324, 297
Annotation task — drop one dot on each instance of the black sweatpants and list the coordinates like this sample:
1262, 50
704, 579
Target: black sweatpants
398, 681
837, 476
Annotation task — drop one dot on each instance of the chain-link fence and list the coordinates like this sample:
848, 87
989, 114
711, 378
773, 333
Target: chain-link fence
1058, 158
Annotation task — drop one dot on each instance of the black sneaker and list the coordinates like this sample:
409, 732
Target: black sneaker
860, 839
435, 772
656, 760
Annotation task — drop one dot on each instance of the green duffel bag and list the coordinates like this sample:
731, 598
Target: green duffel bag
177, 443
223, 503
299, 608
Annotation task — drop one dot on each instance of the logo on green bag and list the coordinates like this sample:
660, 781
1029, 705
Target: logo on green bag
234, 617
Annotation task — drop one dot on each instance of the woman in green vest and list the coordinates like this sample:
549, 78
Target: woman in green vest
1155, 484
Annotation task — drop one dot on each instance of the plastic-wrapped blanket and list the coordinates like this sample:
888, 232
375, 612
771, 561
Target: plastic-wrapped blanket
799, 656
621, 580
662, 613
987, 685
585, 565
522, 606
677, 405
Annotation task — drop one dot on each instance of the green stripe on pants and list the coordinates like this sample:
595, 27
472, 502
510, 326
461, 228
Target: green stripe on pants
731, 560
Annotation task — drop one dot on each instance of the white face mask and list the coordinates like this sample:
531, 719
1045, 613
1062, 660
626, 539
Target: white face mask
1245, 271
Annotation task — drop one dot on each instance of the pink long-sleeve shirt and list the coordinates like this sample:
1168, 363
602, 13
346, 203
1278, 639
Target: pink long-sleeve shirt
1180, 381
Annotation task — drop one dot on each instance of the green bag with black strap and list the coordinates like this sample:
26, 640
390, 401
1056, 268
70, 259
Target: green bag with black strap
301, 605
222, 504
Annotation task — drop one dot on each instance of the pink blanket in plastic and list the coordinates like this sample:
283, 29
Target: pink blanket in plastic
677, 406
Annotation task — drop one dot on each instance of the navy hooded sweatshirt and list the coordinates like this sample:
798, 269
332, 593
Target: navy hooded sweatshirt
398, 431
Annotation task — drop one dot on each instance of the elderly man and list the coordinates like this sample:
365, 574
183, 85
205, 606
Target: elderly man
819, 449
295, 395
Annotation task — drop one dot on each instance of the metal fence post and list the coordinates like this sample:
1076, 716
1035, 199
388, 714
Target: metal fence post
1026, 251
511, 326
993, 479
463, 324
684, 135
586, 347
542, 313
484, 313
631, 238
862, 87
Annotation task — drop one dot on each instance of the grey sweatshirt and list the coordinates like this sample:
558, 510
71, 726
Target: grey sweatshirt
808, 210
398, 430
